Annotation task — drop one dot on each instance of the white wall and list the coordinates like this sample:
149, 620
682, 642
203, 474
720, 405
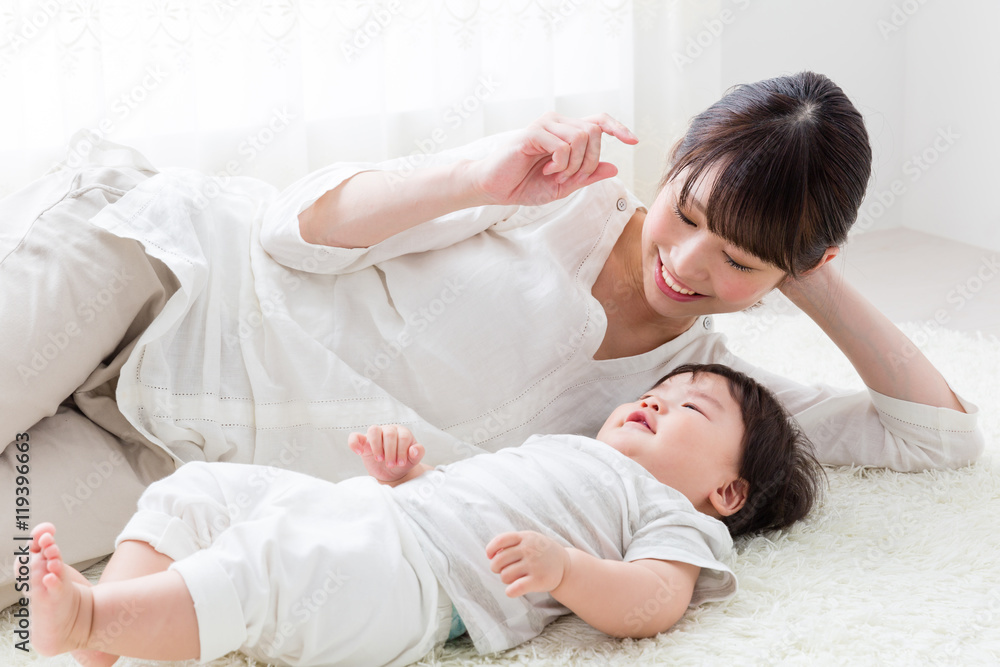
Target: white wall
840, 39
952, 109
923, 72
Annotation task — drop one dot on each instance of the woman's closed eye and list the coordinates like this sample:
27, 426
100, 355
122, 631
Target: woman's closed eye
729, 260
683, 217
739, 267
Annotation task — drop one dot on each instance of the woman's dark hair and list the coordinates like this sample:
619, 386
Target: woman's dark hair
777, 462
794, 163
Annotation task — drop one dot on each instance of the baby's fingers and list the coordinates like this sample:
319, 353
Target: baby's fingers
502, 541
375, 442
520, 586
359, 444
390, 445
415, 454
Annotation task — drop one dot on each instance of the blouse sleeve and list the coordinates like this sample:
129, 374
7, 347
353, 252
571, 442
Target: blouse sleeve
281, 238
849, 427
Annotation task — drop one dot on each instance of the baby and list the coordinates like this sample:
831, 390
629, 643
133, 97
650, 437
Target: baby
626, 531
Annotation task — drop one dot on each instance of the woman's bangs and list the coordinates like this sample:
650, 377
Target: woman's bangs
749, 207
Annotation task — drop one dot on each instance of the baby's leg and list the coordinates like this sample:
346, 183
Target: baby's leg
130, 560
148, 617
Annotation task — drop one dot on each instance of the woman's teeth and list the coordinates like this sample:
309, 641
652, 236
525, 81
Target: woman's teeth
674, 286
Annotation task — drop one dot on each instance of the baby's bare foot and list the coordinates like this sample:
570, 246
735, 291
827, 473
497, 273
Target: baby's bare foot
61, 606
88, 657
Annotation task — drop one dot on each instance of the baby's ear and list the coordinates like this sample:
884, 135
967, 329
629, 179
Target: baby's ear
729, 498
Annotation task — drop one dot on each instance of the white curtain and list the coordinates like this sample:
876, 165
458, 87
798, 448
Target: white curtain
277, 88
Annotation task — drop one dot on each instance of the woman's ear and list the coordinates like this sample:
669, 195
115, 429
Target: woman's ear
828, 255
730, 497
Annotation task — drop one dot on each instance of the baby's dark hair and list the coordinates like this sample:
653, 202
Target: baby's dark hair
777, 460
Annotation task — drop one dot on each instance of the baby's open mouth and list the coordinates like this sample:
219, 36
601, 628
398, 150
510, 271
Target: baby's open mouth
640, 418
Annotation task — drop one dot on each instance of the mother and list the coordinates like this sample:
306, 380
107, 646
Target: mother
502, 289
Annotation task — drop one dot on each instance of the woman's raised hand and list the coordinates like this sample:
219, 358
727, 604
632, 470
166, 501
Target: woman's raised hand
551, 158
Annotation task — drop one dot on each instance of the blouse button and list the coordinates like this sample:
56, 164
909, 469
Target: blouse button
707, 322
622, 204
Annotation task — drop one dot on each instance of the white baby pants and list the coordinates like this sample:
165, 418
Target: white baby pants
294, 570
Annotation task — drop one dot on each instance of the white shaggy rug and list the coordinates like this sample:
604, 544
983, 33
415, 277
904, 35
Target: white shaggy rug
890, 569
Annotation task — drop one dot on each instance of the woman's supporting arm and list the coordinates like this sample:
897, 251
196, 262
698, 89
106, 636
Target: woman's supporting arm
550, 159
883, 356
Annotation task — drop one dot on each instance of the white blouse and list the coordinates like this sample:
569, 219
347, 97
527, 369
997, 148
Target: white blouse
475, 330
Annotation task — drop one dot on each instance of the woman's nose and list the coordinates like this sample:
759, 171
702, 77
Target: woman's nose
688, 259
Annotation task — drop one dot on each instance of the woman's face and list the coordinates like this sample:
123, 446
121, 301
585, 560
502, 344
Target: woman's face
690, 271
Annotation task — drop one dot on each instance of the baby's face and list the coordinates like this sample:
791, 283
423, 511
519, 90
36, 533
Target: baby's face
686, 432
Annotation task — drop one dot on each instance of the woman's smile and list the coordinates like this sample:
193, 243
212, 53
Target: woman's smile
670, 286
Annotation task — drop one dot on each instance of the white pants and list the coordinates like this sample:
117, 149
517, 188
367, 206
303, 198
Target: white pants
294, 570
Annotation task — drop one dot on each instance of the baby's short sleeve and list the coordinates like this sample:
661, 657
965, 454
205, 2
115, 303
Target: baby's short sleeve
682, 534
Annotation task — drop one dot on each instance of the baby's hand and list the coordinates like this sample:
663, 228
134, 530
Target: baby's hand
530, 562
388, 452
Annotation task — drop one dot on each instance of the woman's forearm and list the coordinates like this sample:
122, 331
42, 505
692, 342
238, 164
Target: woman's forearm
550, 159
371, 206
883, 356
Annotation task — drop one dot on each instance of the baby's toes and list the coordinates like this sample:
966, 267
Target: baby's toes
42, 530
39, 569
44, 541
51, 552
54, 561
